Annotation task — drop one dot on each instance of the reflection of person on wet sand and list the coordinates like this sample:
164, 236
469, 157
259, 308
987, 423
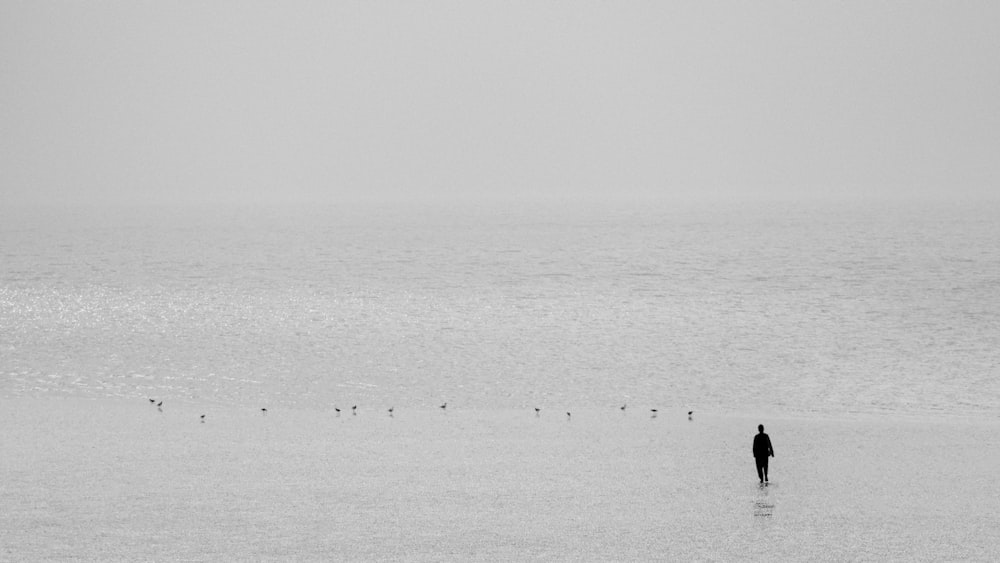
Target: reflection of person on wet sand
761, 450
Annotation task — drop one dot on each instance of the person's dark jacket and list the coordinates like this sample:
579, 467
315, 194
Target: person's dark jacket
762, 446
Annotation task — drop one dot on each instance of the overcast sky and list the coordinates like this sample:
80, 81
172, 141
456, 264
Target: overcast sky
327, 100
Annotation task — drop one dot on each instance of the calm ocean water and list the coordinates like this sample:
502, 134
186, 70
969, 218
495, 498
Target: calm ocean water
830, 308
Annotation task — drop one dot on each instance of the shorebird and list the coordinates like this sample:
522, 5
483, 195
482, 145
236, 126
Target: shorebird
537, 411
569, 415
654, 411
390, 410
444, 406
622, 408
354, 410
264, 411
690, 413
203, 419
159, 406
338, 410
152, 401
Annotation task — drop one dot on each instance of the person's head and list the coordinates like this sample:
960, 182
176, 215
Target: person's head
760, 427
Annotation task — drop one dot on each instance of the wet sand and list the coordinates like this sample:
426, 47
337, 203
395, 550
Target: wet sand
118, 480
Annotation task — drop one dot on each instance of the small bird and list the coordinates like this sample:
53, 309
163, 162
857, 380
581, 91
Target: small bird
654, 411
537, 411
160, 404
152, 401
569, 415
391, 409
444, 406
622, 408
338, 410
263, 411
354, 410
690, 414
203, 419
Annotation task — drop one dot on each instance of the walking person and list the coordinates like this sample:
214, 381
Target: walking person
761, 451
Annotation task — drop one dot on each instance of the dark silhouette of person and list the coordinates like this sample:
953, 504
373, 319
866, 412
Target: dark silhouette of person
761, 450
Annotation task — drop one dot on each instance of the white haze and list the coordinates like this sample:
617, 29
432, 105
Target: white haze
327, 101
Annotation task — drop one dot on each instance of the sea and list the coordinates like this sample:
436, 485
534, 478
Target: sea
821, 307
568, 381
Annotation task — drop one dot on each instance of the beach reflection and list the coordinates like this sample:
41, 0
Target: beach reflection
763, 506
482, 485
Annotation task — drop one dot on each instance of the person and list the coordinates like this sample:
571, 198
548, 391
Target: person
761, 450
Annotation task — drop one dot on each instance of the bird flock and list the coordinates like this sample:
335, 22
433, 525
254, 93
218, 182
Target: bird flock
443, 407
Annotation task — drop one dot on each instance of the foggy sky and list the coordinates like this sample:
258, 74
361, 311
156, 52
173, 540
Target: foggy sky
267, 101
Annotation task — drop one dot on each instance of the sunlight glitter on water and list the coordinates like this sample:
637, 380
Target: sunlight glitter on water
782, 308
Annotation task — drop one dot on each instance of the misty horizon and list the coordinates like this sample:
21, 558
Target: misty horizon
227, 102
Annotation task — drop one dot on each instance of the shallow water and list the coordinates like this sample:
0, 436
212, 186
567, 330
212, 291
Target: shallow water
830, 308
866, 337
115, 480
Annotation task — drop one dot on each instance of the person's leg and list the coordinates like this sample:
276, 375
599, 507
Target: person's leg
760, 471
765, 468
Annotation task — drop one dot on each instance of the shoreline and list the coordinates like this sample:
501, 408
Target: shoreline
665, 413
116, 479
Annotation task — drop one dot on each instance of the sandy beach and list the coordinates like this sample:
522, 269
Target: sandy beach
118, 480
